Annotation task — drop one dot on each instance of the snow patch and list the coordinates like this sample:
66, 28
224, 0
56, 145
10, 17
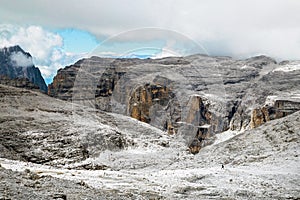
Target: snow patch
270, 100
288, 68
293, 95
222, 137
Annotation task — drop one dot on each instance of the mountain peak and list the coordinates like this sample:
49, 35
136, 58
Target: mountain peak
10, 49
16, 63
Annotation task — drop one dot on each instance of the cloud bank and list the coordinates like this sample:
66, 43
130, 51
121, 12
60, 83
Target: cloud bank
44, 46
232, 27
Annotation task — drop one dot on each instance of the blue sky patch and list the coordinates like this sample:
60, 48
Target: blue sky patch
77, 41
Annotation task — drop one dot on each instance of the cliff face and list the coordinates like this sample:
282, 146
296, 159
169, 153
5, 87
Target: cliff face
196, 96
15, 63
280, 108
18, 82
62, 85
155, 104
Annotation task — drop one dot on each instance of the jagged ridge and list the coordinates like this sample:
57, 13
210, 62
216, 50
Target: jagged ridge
15, 63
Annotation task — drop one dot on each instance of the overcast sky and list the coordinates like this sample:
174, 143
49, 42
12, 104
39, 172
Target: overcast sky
62, 30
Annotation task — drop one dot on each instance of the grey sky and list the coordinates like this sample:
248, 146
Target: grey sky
239, 28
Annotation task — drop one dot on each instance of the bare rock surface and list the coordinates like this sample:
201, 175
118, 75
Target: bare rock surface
162, 92
55, 149
261, 163
31, 185
41, 129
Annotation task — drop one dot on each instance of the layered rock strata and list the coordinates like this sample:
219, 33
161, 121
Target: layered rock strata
196, 96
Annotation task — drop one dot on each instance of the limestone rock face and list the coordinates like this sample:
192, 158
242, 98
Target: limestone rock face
15, 63
202, 119
18, 82
155, 104
40, 129
196, 96
279, 109
259, 116
62, 84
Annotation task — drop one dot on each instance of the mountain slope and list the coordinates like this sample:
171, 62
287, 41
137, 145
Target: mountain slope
41, 129
122, 157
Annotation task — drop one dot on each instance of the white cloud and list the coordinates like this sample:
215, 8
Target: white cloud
231, 27
34, 39
44, 46
45, 70
166, 53
170, 51
21, 59
56, 55
149, 42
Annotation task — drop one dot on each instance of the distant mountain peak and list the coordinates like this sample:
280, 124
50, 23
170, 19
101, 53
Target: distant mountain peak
15, 48
16, 63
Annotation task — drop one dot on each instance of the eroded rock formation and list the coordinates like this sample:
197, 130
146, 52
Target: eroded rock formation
200, 118
279, 109
18, 82
196, 96
155, 102
62, 84
40, 129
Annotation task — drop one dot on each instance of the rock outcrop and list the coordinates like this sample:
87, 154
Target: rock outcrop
40, 129
17, 65
156, 104
279, 109
18, 82
196, 96
200, 118
62, 85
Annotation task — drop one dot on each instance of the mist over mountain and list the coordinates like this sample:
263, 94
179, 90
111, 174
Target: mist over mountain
15, 63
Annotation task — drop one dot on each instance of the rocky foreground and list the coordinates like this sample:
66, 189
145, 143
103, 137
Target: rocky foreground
54, 149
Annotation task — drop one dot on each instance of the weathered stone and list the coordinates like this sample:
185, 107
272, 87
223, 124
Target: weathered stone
146, 101
32, 130
41, 129
18, 185
18, 82
279, 109
178, 94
